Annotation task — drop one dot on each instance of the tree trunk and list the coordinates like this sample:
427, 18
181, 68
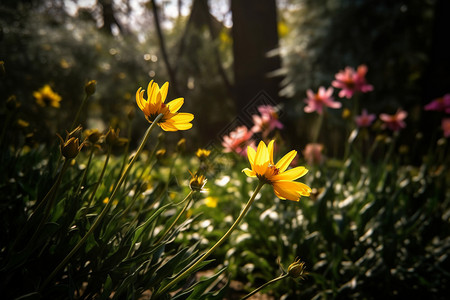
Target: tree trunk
254, 34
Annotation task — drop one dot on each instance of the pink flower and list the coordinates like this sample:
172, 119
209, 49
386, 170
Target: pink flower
446, 127
440, 104
394, 122
313, 154
238, 140
267, 122
316, 102
351, 82
365, 119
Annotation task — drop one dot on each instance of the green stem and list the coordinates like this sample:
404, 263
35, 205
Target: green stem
105, 209
216, 245
264, 285
102, 173
83, 178
318, 127
189, 196
77, 116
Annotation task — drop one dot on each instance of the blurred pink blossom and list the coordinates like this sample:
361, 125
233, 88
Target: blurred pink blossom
268, 120
440, 104
446, 127
316, 102
313, 154
238, 140
394, 122
365, 119
351, 82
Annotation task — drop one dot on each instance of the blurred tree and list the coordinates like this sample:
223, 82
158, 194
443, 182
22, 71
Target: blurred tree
254, 35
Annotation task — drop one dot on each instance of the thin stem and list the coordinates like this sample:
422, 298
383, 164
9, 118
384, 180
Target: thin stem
77, 116
105, 209
318, 128
211, 250
264, 285
189, 196
83, 178
102, 173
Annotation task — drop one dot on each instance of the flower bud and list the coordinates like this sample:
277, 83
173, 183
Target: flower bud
197, 182
92, 135
90, 87
181, 145
297, 269
71, 147
160, 154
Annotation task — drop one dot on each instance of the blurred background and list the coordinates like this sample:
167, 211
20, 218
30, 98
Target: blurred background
222, 57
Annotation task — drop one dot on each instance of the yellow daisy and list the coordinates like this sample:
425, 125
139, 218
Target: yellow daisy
154, 105
46, 96
276, 175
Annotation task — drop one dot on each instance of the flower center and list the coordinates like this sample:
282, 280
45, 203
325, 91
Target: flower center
271, 171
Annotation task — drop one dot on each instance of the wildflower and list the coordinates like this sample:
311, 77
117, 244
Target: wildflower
394, 122
90, 87
346, 113
202, 154
46, 96
351, 82
112, 138
297, 269
160, 154
71, 147
238, 140
316, 102
172, 120
197, 182
276, 175
313, 154
365, 119
211, 201
446, 127
440, 104
92, 135
181, 145
268, 120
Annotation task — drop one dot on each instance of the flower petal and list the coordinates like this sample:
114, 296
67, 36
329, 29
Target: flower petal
164, 89
249, 173
270, 150
291, 190
182, 118
261, 159
284, 162
251, 155
175, 104
291, 174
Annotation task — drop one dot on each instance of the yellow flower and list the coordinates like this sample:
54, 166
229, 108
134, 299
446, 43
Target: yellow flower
276, 175
211, 201
172, 120
46, 96
197, 182
202, 153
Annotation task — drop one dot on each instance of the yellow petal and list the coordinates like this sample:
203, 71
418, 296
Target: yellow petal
291, 190
140, 98
261, 159
168, 126
163, 91
152, 93
251, 155
291, 174
249, 173
175, 104
270, 150
284, 162
182, 118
